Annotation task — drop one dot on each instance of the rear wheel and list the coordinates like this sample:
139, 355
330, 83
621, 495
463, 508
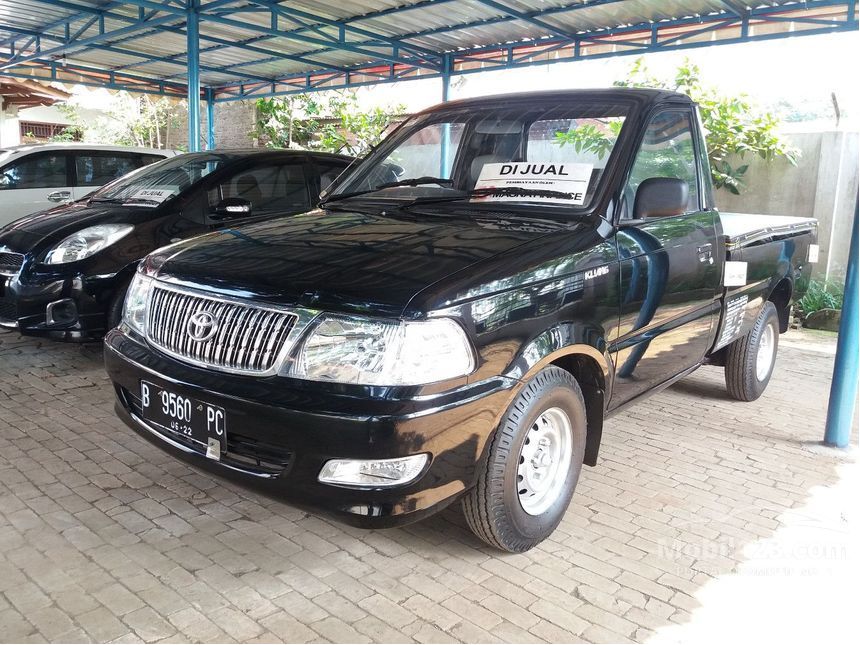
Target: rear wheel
750, 359
533, 465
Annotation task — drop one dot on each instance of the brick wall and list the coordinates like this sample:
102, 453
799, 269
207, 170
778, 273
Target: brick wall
234, 122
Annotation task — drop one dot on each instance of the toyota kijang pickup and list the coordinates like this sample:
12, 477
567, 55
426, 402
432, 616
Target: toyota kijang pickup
461, 313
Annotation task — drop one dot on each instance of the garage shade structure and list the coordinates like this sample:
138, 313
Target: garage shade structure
227, 50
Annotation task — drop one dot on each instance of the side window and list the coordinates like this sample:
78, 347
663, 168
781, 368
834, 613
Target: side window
97, 169
269, 188
667, 150
145, 160
329, 171
45, 170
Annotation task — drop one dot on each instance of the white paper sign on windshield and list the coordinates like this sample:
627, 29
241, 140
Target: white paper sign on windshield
569, 178
151, 196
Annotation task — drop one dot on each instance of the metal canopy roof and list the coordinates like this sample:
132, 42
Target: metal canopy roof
251, 48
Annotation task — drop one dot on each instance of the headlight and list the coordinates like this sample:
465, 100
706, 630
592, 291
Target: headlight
86, 242
134, 311
370, 351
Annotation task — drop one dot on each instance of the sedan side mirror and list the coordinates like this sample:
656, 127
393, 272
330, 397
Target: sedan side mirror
661, 197
232, 207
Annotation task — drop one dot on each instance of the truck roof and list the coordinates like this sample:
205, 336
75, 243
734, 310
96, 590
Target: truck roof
640, 95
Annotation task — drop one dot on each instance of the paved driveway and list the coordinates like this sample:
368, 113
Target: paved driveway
103, 537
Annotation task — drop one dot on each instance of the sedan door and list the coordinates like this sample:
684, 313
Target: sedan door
669, 275
270, 188
33, 183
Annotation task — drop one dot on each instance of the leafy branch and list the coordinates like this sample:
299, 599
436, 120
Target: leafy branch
333, 122
734, 126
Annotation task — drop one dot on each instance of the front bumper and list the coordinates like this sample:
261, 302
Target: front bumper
281, 432
24, 304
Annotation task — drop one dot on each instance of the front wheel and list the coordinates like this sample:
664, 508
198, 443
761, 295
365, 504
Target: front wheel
533, 465
750, 359
115, 306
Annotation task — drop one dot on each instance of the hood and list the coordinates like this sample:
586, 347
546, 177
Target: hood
31, 231
342, 261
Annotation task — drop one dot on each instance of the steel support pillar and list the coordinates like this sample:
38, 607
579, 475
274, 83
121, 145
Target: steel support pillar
193, 38
843, 390
210, 118
446, 128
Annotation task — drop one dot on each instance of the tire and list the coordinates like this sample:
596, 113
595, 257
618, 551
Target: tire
114, 310
506, 509
750, 359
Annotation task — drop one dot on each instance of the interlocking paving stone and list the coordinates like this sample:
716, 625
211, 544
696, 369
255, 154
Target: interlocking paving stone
104, 537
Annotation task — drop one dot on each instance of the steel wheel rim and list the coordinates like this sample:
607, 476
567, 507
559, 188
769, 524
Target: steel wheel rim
544, 461
764, 356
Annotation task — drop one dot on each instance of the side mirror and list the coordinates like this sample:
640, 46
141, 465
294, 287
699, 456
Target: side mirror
661, 197
232, 207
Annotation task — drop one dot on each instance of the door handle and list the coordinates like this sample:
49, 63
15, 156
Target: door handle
59, 195
705, 254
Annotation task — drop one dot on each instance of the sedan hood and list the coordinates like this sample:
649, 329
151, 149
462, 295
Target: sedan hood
31, 231
343, 261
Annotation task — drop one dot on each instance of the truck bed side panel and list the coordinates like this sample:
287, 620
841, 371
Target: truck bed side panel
771, 254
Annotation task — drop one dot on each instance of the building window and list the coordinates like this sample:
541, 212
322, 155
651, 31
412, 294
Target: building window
35, 132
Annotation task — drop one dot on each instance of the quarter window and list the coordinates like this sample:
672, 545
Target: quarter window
667, 151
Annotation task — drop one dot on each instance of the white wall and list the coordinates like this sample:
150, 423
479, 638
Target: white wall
823, 185
9, 131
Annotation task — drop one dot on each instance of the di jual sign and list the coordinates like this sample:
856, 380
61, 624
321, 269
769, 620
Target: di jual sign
569, 178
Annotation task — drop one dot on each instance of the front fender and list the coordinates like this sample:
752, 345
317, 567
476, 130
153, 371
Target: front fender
564, 339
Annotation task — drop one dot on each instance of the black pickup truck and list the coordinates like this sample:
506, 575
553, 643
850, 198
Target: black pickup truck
461, 314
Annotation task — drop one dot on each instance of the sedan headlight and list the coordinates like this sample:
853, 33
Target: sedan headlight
369, 351
134, 311
86, 242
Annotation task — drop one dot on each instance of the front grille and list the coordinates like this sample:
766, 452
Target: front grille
10, 263
8, 311
248, 338
242, 451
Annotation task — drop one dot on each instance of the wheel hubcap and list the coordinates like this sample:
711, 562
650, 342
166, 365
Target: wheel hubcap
544, 461
764, 356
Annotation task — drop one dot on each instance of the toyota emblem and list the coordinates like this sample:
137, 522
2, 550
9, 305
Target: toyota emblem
202, 326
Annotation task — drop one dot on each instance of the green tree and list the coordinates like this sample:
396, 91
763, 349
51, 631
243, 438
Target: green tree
288, 122
734, 126
590, 137
331, 121
130, 120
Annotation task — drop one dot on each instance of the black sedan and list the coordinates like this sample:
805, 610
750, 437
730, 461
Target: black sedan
64, 272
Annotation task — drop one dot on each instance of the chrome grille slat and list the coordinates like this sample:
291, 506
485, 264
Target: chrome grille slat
10, 263
248, 339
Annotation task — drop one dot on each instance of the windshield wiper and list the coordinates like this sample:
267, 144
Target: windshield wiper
416, 181
503, 191
105, 200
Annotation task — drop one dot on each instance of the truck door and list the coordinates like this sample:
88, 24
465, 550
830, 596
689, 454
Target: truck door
670, 268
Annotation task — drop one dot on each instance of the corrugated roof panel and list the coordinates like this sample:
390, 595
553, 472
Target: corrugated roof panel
345, 34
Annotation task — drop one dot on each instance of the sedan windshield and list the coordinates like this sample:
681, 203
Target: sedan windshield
553, 155
160, 181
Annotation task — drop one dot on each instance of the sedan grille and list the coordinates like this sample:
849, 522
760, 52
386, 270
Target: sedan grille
10, 263
217, 333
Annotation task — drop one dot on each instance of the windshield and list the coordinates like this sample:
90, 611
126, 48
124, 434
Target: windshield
160, 181
522, 153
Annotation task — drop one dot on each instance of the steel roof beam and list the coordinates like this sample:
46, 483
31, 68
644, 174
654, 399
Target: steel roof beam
342, 26
532, 19
84, 42
57, 68
506, 57
372, 55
